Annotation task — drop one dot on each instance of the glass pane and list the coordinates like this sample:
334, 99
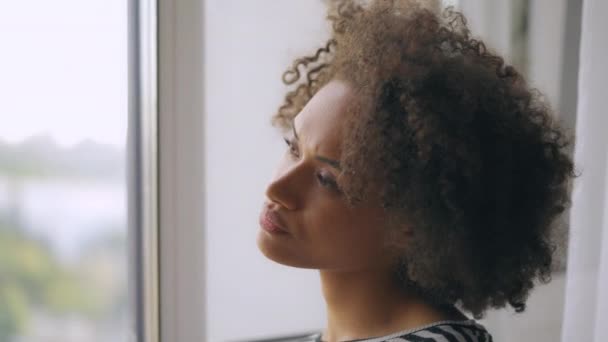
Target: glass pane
63, 108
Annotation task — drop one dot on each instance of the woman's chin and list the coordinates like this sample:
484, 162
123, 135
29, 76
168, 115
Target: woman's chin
281, 252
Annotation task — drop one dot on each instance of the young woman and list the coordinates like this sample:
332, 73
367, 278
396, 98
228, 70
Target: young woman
422, 177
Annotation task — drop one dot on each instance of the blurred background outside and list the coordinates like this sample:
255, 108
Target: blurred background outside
63, 110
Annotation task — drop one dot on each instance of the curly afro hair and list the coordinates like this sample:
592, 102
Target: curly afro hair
454, 142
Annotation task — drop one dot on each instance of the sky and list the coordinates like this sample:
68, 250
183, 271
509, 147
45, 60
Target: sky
63, 70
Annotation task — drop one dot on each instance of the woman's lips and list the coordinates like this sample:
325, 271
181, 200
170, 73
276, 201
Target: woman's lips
271, 222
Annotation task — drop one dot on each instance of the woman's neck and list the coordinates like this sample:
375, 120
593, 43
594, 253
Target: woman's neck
369, 303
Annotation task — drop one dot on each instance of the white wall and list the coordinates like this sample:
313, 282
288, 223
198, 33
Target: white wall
247, 46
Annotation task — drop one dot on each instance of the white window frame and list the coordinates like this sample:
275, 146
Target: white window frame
166, 181
181, 167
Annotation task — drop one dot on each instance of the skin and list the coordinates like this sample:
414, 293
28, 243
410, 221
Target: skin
346, 245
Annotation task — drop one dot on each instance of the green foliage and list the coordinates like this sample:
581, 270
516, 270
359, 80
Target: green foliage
13, 310
31, 277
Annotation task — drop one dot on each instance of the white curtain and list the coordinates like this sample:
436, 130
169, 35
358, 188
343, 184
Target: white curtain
586, 309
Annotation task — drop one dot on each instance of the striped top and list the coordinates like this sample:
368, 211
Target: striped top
443, 331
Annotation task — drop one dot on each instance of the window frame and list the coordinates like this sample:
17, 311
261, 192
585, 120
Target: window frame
142, 161
181, 170
166, 174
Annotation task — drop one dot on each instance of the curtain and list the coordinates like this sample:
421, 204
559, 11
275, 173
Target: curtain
586, 308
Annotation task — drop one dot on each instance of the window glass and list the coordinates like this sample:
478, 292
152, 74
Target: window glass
63, 108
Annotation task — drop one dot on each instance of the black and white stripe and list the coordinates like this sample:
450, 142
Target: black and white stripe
445, 331
448, 333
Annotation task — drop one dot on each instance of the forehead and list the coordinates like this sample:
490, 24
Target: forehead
324, 115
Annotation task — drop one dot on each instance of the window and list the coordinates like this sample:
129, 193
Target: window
63, 186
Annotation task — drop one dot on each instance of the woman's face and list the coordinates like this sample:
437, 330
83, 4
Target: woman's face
306, 221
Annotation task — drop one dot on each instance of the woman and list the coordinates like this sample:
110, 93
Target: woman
422, 177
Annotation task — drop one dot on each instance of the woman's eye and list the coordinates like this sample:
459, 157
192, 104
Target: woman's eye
327, 181
293, 148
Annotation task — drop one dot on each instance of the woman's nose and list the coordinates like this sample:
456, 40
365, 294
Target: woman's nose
285, 188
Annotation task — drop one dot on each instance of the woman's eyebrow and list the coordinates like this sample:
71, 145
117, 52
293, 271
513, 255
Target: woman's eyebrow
333, 163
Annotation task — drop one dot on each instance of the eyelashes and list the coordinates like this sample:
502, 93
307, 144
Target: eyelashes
324, 178
293, 148
327, 181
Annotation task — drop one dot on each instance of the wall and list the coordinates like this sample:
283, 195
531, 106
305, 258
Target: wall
248, 44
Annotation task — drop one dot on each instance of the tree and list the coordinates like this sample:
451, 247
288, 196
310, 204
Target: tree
31, 277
